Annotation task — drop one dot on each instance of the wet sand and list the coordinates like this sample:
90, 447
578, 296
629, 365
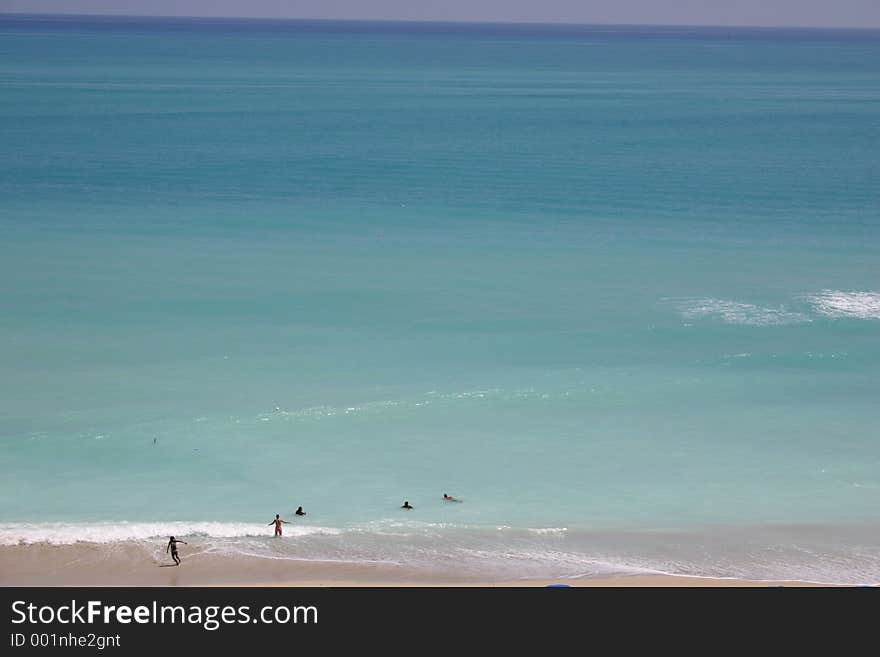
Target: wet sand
136, 564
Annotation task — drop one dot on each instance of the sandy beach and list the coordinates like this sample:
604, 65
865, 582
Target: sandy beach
138, 565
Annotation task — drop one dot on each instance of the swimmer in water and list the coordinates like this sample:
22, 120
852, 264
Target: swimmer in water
300, 512
449, 498
278, 522
406, 506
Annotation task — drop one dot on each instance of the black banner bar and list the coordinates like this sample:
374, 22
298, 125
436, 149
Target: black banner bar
135, 620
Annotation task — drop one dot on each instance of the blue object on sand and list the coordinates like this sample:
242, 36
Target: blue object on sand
559, 586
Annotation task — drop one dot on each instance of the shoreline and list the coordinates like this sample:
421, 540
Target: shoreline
86, 565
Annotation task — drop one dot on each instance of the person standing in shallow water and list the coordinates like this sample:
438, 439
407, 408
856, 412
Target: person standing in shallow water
172, 545
278, 522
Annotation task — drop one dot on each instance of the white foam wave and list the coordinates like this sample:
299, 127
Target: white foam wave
536, 562
840, 304
115, 532
392, 527
737, 312
429, 398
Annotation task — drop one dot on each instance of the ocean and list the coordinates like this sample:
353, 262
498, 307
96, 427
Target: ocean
615, 288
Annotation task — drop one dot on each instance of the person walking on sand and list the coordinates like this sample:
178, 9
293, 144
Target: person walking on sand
278, 522
407, 506
172, 545
300, 512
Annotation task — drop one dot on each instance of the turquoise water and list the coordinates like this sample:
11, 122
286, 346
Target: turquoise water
618, 290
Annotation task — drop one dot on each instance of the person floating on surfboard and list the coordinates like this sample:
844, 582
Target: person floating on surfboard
278, 522
172, 545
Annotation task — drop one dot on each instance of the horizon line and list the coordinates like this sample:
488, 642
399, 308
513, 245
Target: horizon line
288, 19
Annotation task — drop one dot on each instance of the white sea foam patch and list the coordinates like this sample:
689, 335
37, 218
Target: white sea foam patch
840, 304
548, 531
538, 562
115, 532
737, 312
391, 527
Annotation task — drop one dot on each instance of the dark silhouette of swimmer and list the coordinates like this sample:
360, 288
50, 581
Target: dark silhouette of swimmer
449, 498
278, 522
300, 512
172, 545
406, 505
